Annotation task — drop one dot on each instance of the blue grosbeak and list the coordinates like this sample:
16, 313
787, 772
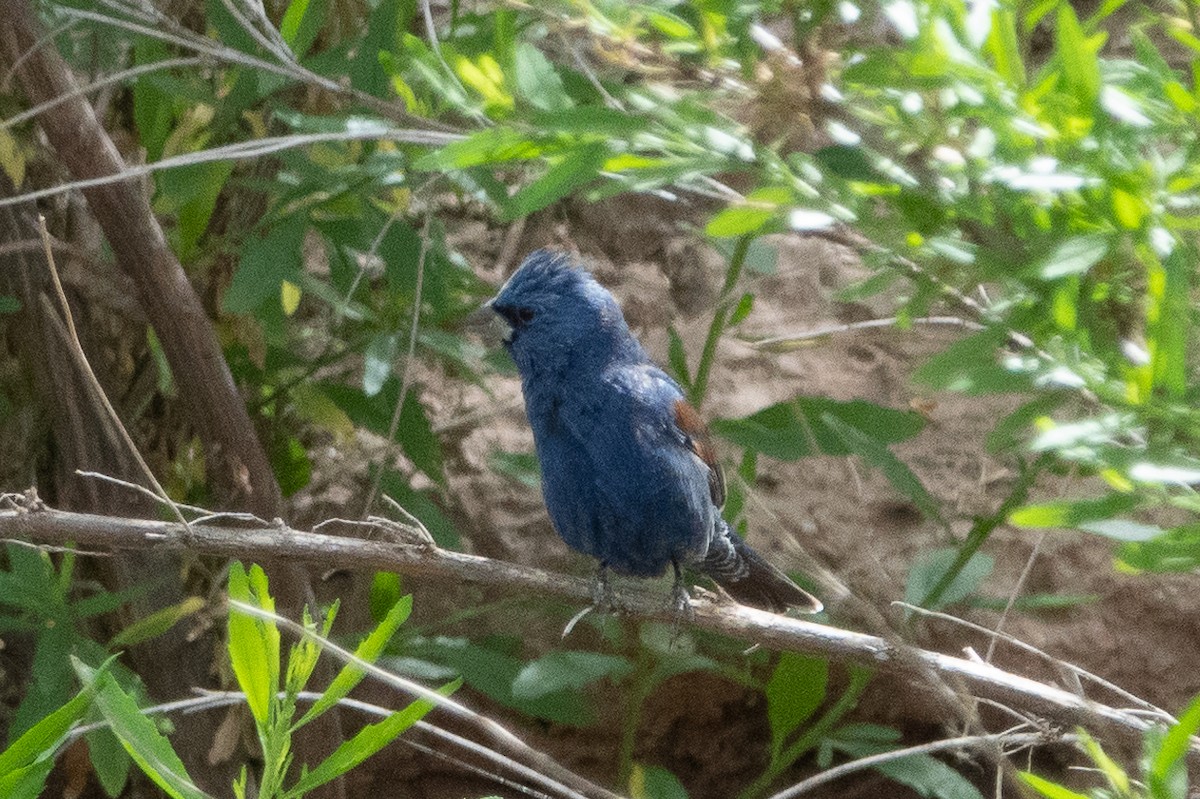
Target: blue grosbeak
629, 474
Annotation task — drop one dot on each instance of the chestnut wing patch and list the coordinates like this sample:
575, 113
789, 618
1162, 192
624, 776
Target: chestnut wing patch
695, 432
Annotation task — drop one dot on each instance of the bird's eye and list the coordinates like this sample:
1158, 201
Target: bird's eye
525, 315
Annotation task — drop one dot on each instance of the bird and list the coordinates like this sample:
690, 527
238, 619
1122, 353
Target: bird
630, 475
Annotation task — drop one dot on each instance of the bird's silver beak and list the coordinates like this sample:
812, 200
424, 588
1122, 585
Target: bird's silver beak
487, 323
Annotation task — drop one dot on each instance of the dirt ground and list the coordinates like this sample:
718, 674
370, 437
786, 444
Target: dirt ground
830, 517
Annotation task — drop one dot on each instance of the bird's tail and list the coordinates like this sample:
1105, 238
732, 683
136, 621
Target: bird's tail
750, 579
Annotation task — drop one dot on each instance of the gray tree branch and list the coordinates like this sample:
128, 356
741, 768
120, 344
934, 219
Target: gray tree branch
957, 676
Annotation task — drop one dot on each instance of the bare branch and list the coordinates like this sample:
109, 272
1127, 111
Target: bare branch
978, 679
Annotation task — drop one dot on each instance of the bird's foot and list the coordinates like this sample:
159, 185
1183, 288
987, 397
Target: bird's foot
603, 600
602, 593
681, 603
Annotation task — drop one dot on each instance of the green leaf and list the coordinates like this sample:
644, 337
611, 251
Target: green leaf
739, 220
1013, 430
796, 429
1048, 789
109, 759
591, 120
520, 466
677, 358
895, 470
27, 782
302, 22
489, 667
369, 740
148, 748
1122, 529
383, 28
153, 107
924, 774
368, 650
849, 162
414, 432
265, 264
1035, 602
422, 505
39, 742
253, 642
929, 567
1168, 767
1176, 550
155, 624
497, 145
537, 81
385, 593
654, 782
290, 463
1077, 57
1075, 256
668, 24
741, 310
1116, 776
304, 654
377, 362
1072, 513
191, 192
797, 687
567, 671
1004, 46
573, 170
970, 365
929, 777
1172, 323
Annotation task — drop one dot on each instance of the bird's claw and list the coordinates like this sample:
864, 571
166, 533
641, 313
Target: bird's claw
602, 593
681, 602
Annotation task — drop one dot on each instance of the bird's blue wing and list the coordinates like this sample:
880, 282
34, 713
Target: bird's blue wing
624, 480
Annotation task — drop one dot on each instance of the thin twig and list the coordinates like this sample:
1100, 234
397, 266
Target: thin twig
240, 151
590, 74
89, 553
282, 53
436, 46
210, 700
107, 478
107, 80
790, 341
1010, 739
94, 383
1033, 650
406, 372
50, 36
1012, 597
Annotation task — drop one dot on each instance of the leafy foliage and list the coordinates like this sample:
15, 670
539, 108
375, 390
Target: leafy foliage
1006, 162
1164, 768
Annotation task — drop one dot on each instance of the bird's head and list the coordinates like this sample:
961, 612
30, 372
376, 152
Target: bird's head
557, 315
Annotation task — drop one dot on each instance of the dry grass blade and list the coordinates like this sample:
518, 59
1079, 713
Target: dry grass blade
82, 362
240, 151
107, 80
1004, 739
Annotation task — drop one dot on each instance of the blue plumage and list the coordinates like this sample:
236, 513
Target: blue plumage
628, 474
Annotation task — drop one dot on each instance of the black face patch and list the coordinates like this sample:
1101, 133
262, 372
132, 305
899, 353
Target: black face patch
518, 318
